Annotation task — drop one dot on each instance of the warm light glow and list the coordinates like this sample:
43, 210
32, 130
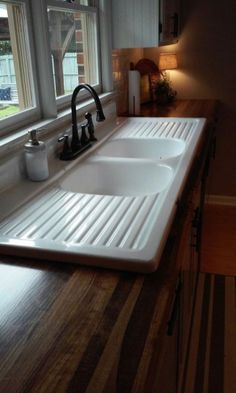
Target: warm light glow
167, 61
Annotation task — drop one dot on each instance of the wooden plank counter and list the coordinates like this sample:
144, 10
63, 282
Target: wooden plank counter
68, 328
183, 108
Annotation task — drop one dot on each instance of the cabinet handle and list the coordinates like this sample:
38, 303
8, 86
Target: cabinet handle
174, 311
214, 148
196, 217
196, 224
175, 19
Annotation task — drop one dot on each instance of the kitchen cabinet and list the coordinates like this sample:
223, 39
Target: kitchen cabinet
188, 260
135, 23
190, 254
169, 14
144, 24
170, 370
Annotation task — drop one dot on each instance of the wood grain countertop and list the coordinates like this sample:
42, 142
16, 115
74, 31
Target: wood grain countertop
183, 108
68, 328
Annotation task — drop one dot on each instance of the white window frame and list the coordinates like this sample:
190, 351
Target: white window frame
30, 114
47, 106
64, 100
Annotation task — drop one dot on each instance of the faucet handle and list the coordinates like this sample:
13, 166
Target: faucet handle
66, 148
90, 126
84, 140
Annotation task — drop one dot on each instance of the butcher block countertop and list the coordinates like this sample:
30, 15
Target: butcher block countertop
68, 328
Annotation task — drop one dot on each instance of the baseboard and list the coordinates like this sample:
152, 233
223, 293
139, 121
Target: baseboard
220, 200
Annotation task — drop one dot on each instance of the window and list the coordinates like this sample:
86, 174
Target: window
91, 3
73, 43
16, 84
39, 71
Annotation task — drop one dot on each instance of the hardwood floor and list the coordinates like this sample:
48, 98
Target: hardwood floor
219, 240
212, 351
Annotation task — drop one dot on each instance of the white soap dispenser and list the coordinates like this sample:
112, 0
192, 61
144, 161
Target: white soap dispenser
36, 158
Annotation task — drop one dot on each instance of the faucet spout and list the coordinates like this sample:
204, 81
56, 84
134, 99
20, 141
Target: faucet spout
100, 115
79, 145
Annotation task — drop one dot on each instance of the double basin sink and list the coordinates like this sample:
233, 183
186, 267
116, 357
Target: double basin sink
138, 173
115, 206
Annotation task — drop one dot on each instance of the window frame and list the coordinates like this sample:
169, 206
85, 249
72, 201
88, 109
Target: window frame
55, 4
47, 105
33, 113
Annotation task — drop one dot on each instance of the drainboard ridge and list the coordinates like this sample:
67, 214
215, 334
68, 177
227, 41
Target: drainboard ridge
158, 129
75, 219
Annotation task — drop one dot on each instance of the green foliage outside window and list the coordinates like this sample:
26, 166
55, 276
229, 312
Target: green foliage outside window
5, 48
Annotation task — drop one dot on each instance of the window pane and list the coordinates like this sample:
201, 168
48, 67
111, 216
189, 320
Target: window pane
90, 3
15, 70
73, 42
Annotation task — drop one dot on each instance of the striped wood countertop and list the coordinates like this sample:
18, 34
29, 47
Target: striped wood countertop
72, 329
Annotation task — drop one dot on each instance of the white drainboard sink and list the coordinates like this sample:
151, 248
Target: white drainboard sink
155, 149
113, 208
118, 177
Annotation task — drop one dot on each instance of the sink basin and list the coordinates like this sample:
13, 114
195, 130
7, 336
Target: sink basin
157, 149
118, 177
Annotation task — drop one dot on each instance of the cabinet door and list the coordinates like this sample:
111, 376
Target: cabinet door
185, 255
189, 262
166, 379
169, 21
135, 23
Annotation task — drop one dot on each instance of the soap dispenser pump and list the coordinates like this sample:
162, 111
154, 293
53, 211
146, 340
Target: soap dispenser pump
36, 158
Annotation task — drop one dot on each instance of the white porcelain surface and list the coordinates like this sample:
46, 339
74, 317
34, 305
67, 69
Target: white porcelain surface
106, 210
118, 177
156, 149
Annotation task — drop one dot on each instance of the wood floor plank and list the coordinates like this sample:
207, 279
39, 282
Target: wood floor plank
216, 339
212, 352
230, 335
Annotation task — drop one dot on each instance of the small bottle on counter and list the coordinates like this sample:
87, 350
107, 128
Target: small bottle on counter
36, 158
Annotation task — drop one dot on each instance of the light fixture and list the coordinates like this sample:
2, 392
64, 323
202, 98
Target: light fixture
167, 61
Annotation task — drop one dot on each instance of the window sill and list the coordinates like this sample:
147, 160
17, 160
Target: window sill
14, 141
